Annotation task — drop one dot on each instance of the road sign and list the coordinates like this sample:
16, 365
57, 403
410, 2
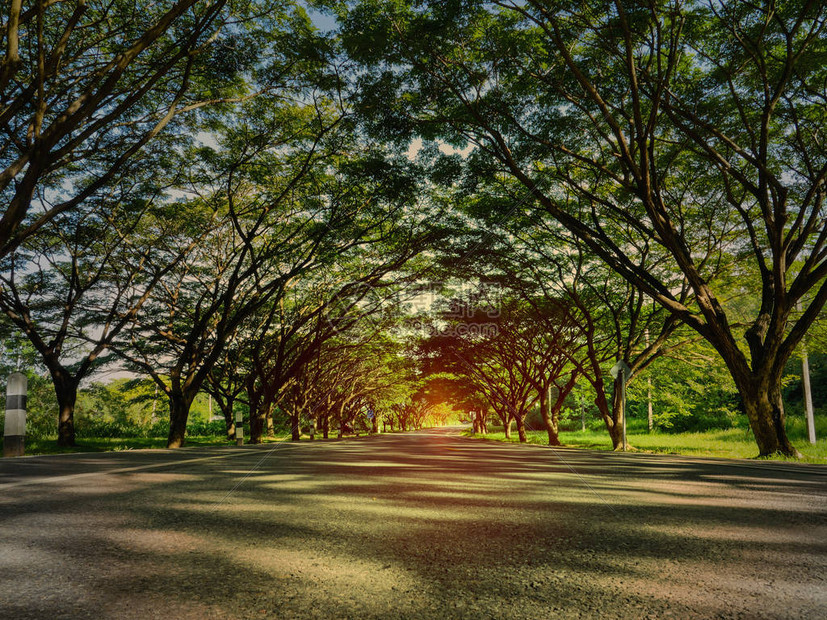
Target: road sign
621, 367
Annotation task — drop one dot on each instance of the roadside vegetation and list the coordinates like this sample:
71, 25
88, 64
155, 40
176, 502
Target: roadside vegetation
734, 443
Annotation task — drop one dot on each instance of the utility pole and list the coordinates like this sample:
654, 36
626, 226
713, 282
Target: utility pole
621, 373
805, 380
648, 384
154, 403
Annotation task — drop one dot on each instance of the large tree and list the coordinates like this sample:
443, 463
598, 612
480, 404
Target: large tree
254, 235
697, 125
86, 85
605, 318
599, 316
80, 282
496, 348
355, 298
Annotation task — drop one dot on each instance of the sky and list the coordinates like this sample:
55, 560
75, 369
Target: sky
322, 22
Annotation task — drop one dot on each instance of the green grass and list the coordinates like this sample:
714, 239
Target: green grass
111, 444
731, 443
49, 445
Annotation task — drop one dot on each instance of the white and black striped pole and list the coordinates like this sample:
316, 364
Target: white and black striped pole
14, 434
239, 428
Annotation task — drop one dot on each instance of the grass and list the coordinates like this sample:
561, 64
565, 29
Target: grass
48, 445
110, 444
733, 443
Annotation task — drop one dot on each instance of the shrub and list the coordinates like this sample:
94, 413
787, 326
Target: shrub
160, 428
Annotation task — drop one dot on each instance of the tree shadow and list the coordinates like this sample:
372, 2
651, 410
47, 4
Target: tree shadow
425, 526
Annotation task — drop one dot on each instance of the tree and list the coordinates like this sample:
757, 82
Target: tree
59, 288
572, 298
226, 381
86, 85
697, 125
86, 91
482, 342
287, 193
602, 318
331, 319
190, 318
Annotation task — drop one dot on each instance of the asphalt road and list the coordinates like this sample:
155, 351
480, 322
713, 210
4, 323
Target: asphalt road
420, 525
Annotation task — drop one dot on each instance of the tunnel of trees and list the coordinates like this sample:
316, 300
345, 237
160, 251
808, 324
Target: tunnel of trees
371, 215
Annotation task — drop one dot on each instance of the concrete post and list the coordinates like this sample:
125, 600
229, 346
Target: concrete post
14, 434
239, 428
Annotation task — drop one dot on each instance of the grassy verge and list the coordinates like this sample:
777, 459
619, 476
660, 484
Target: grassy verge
110, 444
732, 443
49, 445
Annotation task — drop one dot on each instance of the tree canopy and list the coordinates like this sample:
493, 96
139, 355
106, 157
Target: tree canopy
206, 189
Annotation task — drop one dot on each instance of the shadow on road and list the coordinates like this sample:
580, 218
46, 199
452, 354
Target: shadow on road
416, 525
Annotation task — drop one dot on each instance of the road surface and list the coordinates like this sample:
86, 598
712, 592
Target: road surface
417, 525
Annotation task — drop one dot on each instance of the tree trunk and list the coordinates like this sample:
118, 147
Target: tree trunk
179, 411
760, 391
257, 420
66, 390
261, 417
271, 425
295, 431
254, 400
764, 407
551, 421
326, 425
227, 407
610, 417
507, 428
521, 428
615, 424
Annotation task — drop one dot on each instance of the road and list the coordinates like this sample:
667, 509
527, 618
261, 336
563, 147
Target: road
417, 525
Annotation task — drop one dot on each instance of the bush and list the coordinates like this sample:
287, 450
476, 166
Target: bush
102, 428
797, 425
205, 429
534, 421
